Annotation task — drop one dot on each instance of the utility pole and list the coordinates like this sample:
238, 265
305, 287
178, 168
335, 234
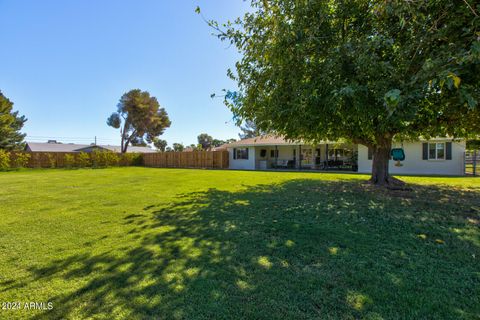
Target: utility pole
95, 140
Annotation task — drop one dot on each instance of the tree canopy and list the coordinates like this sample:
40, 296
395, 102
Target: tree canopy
139, 142
219, 142
249, 130
205, 140
160, 144
178, 147
10, 125
139, 117
366, 71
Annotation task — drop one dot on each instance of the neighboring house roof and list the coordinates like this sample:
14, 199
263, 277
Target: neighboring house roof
72, 147
53, 147
118, 148
132, 149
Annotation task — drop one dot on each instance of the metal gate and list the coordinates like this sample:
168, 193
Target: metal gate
472, 162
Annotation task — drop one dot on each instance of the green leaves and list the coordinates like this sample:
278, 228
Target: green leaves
476, 49
114, 120
330, 70
160, 144
205, 140
468, 99
10, 125
392, 99
455, 80
139, 118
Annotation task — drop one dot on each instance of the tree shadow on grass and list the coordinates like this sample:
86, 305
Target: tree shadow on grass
302, 249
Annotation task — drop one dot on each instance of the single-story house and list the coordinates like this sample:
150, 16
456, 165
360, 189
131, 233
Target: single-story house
54, 146
439, 156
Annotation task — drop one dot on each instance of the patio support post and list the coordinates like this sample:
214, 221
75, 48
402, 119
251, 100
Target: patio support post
276, 156
475, 162
300, 157
326, 156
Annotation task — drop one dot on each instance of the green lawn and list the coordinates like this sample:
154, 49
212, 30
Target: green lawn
137, 243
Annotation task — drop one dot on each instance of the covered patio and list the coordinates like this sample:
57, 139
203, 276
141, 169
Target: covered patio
276, 153
306, 157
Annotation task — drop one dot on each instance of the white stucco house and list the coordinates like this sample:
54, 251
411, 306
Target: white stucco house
439, 156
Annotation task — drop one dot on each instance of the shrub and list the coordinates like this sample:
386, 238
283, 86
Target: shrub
125, 159
83, 160
131, 159
20, 160
69, 161
99, 159
137, 159
4, 160
102, 159
52, 162
111, 158
96, 161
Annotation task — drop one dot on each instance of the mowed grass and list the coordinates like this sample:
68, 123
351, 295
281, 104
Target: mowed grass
139, 243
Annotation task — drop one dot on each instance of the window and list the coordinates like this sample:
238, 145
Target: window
436, 151
273, 153
341, 154
240, 153
263, 153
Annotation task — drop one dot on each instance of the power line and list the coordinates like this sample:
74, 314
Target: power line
81, 140
68, 138
58, 137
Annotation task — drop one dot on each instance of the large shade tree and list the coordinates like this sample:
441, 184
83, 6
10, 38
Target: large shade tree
139, 118
366, 71
10, 125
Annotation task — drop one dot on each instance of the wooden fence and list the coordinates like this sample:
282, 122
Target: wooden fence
59, 159
195, 159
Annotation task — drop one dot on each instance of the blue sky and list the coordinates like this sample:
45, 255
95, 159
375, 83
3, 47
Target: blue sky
65, 64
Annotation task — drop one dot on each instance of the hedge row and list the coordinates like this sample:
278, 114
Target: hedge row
96, 159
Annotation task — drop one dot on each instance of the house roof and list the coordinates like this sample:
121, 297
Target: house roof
118, 149
54, 147
268, 140
73, 147
222, 147
271, 140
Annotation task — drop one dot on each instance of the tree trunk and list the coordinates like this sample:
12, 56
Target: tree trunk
123, 139
125, 145
381, 157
